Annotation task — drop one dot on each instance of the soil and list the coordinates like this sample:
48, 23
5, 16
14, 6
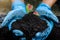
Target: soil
30, 24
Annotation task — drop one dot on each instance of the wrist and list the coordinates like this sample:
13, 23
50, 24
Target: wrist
49, 2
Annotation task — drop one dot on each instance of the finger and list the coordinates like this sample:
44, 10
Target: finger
10, 24
9, 16
18, 32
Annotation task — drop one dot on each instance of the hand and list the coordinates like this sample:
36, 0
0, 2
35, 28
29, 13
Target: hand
45, 11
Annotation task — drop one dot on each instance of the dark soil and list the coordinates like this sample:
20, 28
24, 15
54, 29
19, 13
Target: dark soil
30, 24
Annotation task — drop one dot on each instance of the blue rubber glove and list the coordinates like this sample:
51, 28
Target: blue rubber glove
19, 10
45, 10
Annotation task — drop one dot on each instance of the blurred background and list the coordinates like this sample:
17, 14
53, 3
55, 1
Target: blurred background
5, 6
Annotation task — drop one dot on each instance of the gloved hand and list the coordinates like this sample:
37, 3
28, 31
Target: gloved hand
45, 10
18, 12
